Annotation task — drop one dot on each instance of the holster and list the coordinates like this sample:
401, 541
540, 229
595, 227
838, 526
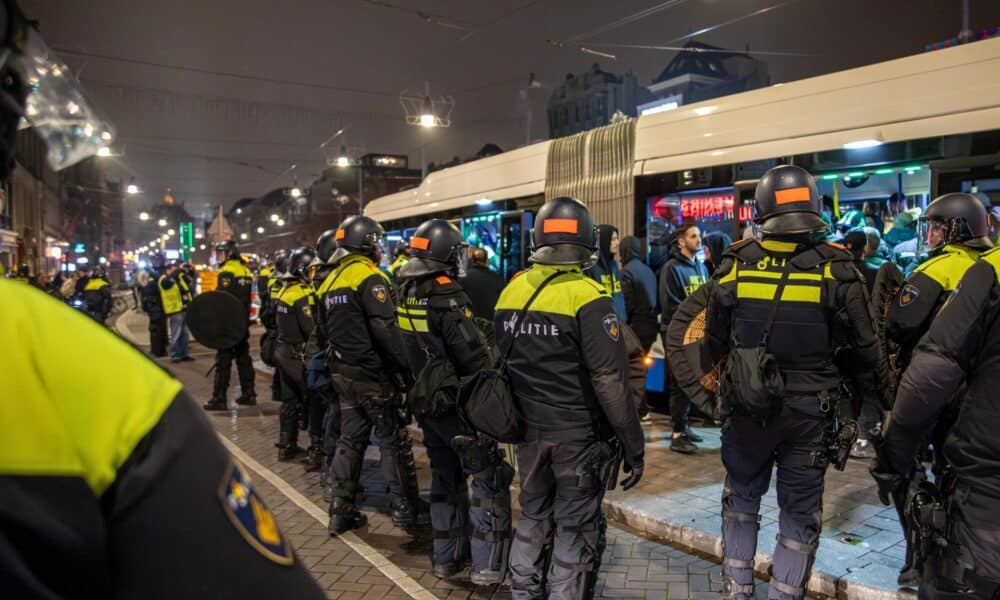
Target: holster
600, 465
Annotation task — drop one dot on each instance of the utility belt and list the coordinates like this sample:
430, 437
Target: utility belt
838, 437
598, 467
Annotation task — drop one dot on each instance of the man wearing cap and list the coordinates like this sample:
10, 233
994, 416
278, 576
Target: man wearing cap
174, 296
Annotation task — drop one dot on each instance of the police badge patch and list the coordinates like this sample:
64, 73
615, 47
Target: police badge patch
908, 294
612, 327
380, 293
251, 517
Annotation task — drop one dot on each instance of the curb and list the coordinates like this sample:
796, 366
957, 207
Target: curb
820, 583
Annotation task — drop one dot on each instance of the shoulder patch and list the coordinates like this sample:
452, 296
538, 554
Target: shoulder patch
380, 292
611, 326
251, 517
908, 294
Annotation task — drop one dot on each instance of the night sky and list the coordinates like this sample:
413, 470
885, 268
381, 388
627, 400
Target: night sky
215, 138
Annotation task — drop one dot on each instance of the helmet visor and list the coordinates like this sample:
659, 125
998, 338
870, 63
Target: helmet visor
932, 234
461, 260
63, 117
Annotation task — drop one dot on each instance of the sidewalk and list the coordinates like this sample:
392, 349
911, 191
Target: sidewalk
861, 548
679, 501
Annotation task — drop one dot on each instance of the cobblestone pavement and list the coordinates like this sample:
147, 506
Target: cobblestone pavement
634, 566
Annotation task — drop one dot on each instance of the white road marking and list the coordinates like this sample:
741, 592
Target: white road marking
373, 556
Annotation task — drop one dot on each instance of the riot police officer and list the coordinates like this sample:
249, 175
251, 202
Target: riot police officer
270, 283
436, 319
97, 295
568, 371
961, 348
955, 230
235, 279
293, 308
369, 374
324, 409
779, 307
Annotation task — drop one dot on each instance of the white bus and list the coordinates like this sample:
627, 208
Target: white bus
885, 137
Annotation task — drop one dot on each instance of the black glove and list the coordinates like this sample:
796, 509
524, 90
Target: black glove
888, 482
635, 475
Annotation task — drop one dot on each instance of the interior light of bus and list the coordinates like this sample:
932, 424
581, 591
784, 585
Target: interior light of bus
862, 144
855, 174
705, 110
883, 171
829, 177
484, 202
911, 170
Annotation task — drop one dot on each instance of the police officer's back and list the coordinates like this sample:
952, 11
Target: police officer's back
961, 348
97, 295
568, 371
236, 279
955, 229
822, 305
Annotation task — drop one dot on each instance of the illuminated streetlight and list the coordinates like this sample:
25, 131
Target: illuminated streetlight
427, 120
244, 236
201, 247
295, 192
171, 232
280, 222
274, 217
144, 216
162, 222
132, 189
260, 229
343, 161
104, 151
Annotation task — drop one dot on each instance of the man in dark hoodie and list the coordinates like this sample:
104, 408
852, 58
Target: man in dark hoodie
605, 270
679, 278
716, 243
637, 271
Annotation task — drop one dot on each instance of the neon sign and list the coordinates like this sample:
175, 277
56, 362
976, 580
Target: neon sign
713, 207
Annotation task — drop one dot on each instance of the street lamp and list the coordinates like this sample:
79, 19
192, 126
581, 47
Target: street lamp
260, 229
104, 151
171, 231
295, 192
162, 222
132, 189
274, 217
280, 222
244, 236
343, 161
144, 216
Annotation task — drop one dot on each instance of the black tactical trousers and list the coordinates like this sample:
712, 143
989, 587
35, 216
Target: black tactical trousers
969, 567
561, 510
366, 407
224, 368
158, 334
680, 404
450, 510
293, 392
749, 452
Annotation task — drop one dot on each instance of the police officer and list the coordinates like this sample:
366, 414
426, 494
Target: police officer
324, 409
97, 295
293, 307
270, 283
955, 229
436, 319
90, 474
369, 374
961, 349
402, 252
823, 304
568, 371
152, 305
235, 279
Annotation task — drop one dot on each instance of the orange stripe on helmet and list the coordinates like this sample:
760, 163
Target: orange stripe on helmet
799, 194
339, 235
420, 243
560, 226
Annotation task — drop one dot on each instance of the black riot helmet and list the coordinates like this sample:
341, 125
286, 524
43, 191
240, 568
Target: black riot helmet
357, 235
787, 203
437, 246
298, 263
564, 233
280, 263
956, 218
326, 245
227, 250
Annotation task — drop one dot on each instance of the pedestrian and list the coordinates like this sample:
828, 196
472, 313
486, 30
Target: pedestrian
152, 304
952, 382
369, 374
634, 269
785, 302
567, 368
113, 481
436, 318
680, 277
482, 285
715, 244
236, 279
857, 243
605, 270
293, 314
955, 230
174, 298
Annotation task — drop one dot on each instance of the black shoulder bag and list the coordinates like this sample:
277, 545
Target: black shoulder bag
751, 382
486, 401
435, 387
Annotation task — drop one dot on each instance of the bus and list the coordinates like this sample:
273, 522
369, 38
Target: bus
882, 138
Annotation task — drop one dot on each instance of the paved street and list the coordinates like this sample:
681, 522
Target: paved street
382, 561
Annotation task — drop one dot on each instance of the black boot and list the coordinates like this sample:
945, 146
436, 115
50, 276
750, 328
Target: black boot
409, 509
288, 434
344, 516
315, 459
220, 385
409, 512
247, 399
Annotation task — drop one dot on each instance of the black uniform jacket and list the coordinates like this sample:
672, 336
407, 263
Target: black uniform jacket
237, 280
962, 346
360, 315
436, 309
824, 306
568, 367
293, 307
119, 488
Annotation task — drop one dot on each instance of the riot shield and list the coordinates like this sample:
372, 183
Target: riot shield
217, 320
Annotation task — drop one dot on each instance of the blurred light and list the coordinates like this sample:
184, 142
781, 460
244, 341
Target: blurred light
484, 202
102, 260
244, 236
201, 247
162, 222
855, 174
883, 171
705, 110
647, 360
427, 120
104, 151
144, 216
72, 107
652, 110
829, 177
343, 161
280, 222
862, 144
295, 192
239, 211
143, 264
198, 235
82, 260
260, 229
171, 232
106, 136
274, 217
132, 189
